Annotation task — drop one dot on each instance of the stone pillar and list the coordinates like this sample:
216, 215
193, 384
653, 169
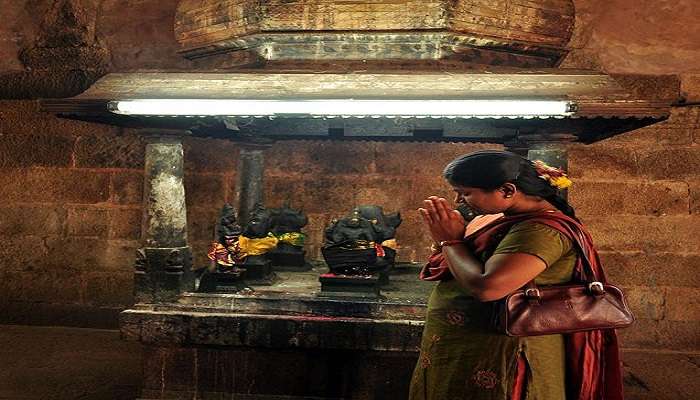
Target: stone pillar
249, 188
164, 263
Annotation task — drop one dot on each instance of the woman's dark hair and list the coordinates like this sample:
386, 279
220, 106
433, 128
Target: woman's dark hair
491, 169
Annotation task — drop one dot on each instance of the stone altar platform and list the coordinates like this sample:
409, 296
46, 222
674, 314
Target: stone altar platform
79, 363
281, 341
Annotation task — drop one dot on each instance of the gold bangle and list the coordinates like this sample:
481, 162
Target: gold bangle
444, 243
437, 247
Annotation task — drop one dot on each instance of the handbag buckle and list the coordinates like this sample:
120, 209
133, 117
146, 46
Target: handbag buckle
596, 288
532, 293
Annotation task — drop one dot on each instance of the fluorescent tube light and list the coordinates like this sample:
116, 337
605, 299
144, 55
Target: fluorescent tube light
349, 107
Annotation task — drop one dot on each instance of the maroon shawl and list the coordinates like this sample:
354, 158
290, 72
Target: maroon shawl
593, 362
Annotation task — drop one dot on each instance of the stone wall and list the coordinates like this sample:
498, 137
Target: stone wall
646, 37
70, 213
638, 194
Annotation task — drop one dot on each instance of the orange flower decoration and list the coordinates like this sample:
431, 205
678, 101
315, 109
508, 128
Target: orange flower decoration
555, 176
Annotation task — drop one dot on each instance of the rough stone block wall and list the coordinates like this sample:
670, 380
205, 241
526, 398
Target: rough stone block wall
70, 196
70, 213
638, 195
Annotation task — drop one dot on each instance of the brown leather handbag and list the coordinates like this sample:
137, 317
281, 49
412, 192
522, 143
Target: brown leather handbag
546, 310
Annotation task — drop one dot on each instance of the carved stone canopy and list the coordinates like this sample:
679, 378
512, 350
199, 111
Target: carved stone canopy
603, 107
522, 33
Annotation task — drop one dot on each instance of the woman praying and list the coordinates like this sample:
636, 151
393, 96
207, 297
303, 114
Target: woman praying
522, 234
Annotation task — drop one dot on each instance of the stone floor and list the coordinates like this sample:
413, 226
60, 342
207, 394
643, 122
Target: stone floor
57, 363
50, 363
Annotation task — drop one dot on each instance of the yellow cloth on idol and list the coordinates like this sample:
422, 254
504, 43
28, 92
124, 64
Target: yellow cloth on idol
391, 243
256, 246
292, 238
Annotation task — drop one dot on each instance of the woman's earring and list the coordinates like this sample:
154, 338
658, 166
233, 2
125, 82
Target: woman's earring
508, 196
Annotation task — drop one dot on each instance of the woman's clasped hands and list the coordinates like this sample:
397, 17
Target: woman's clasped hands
443, 221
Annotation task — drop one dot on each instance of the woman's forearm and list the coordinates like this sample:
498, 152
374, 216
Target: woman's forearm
466, 269
503, 273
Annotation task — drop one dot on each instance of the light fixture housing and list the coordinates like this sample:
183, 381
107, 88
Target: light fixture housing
345, 108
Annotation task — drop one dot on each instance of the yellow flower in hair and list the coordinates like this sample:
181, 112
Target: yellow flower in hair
561, 182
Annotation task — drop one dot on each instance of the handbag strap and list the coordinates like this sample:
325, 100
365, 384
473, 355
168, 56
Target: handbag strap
582, 246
